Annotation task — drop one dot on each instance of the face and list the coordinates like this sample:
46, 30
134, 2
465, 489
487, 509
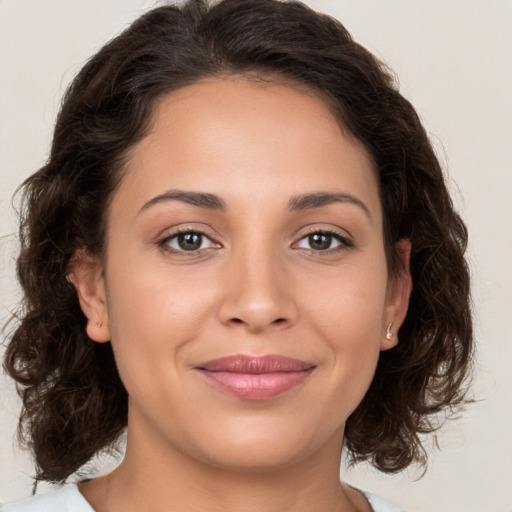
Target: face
244, 287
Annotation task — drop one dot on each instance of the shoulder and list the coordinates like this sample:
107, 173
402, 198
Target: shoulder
65, 499
69, 499
378, 504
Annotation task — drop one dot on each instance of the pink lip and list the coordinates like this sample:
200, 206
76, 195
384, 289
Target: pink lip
255, 377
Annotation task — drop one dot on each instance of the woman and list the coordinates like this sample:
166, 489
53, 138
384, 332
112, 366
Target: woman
242, 250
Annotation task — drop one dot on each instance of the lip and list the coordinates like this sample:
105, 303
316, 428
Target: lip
255, 377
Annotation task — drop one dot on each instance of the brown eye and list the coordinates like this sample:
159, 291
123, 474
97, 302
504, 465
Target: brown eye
320, 241
187, 241
323, 241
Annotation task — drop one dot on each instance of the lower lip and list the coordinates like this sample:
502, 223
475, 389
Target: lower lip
256, 386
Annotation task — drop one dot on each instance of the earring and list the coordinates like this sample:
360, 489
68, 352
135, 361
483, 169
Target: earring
389, 334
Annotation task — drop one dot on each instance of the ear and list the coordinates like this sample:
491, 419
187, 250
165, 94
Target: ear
86, 274
397, 296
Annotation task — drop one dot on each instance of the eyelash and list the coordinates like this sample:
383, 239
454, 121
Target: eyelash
164, 242
344, 242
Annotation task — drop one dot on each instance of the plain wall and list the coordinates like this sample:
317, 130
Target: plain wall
454, 62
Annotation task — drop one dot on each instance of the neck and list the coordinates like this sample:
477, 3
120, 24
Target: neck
158, 477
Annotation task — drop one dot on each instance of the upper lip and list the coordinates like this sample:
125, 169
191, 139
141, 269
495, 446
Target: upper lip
241, 363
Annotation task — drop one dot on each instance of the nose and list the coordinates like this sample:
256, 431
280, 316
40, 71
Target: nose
258, 293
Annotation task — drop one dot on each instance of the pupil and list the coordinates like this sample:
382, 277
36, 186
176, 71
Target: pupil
320, 241
189, 241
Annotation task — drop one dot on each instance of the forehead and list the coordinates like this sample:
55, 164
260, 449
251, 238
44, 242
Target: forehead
240, 139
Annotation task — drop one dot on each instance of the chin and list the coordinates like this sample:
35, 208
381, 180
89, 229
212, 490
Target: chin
263, 446
256, 459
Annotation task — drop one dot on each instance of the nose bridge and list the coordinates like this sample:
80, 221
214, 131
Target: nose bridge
257, 291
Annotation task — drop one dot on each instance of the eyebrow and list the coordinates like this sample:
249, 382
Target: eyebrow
296, 203
201, 199
319, 199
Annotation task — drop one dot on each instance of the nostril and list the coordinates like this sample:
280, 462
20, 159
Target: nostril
277, 321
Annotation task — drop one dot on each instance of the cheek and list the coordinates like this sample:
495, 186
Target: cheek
153, 316
348, 303
349, 320
153, 297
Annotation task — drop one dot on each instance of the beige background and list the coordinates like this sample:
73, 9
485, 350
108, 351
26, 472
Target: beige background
454, 60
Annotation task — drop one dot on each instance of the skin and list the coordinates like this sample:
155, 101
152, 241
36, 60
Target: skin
256, 286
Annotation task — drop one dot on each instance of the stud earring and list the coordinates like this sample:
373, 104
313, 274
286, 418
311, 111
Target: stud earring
389, 334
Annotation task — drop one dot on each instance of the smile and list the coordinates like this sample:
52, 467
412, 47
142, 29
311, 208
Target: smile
256, 378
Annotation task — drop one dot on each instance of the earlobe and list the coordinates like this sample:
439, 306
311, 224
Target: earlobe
86, 275
398, 294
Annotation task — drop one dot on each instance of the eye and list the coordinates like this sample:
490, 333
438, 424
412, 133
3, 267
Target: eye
187, 241
323, 241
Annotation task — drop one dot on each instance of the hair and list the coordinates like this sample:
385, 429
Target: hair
74, 403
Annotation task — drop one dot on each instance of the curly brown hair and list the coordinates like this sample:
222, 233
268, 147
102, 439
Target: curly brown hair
74, 402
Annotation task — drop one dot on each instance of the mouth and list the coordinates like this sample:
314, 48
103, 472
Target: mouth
255, 377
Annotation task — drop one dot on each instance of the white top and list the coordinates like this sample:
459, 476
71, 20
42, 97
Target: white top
69, 499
